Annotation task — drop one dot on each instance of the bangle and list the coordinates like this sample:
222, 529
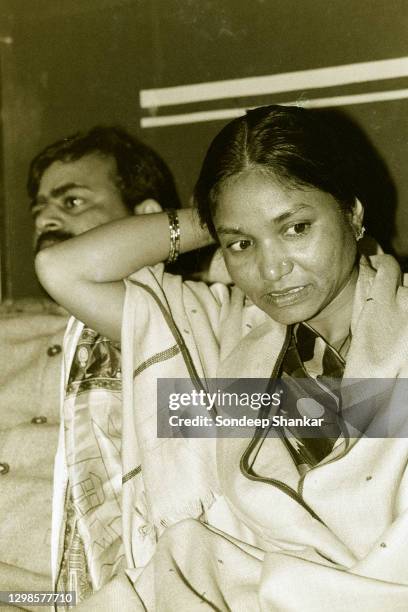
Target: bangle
174, 228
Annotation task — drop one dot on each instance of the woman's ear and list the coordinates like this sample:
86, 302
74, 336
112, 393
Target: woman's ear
147, 207
357, 215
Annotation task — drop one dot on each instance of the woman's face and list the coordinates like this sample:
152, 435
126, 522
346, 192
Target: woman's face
290, 249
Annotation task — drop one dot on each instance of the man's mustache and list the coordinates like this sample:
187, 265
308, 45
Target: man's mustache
50, 238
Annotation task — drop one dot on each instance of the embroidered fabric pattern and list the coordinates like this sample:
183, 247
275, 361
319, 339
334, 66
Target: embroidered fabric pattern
93, 548
158, 358
96, 364
74, 572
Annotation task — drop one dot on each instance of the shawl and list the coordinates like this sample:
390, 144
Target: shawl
172, 332
343, 524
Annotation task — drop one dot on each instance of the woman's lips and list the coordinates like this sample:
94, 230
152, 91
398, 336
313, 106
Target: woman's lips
287, 297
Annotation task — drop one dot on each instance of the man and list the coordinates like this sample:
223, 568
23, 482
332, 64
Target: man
74, 184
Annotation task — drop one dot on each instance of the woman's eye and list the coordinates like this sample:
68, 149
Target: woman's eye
240, 245
298, 229
73, 202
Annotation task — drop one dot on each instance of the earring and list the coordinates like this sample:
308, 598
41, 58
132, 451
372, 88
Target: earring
360, 233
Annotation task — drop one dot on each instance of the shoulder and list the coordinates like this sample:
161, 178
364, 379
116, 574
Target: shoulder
170, 288
31, 322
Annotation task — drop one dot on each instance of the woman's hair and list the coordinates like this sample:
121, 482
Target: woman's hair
295, 145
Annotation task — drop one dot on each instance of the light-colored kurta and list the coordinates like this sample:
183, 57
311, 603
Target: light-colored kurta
31, 335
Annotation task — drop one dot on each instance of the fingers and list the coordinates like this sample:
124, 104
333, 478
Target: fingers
387, 280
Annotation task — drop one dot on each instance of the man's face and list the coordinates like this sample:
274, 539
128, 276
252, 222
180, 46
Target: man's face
74, 197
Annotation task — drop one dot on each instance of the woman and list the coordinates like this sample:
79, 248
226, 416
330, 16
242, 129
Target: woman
286, 521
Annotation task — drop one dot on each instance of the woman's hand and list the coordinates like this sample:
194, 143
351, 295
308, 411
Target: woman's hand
380, 341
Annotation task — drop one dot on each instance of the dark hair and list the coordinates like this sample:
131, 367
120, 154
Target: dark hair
296, 145
141, 172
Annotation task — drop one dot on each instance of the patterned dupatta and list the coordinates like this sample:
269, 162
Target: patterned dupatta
92, 539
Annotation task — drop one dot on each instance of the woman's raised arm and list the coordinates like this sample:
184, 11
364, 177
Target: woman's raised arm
85, 274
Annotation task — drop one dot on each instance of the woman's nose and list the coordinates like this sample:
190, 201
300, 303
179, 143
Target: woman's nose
275, 266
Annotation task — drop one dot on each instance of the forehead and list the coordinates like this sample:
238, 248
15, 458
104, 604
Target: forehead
253, 194
92, 171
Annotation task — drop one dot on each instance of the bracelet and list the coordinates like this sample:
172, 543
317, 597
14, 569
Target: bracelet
174, 228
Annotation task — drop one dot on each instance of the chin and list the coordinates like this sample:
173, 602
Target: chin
290, 315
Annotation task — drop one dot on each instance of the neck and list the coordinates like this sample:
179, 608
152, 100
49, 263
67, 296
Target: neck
333, 322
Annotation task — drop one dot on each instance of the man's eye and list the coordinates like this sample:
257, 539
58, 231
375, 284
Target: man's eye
240, 245
72, 202
298, 229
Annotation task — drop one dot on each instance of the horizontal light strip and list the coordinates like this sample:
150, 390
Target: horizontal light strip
276, 83
231, 113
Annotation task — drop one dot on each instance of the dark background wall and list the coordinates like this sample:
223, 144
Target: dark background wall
70, 64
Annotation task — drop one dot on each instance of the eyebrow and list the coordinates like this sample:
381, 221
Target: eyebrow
58, 192
277, 220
